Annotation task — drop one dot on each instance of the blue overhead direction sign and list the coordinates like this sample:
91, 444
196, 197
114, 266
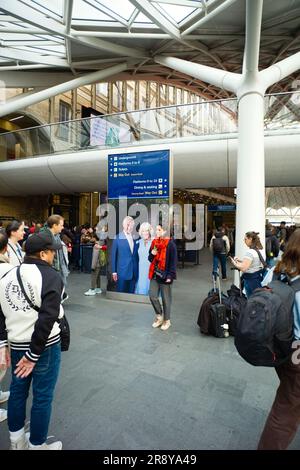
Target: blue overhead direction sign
139, 175
221, 208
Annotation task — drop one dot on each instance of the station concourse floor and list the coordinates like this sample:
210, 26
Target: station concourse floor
124, 385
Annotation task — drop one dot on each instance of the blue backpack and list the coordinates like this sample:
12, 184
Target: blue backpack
264, 334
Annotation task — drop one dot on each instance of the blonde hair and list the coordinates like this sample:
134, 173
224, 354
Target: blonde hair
145, 226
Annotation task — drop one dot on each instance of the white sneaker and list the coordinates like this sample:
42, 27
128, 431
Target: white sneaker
158, 321
98, 290
3, 415
166, 325
90, 292
54, 446
4, 396
20, 444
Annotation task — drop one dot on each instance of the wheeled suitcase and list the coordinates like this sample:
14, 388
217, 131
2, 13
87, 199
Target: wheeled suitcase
235, 304
219, 325
205, 317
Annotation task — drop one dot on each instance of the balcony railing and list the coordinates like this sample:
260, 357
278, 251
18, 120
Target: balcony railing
282, 111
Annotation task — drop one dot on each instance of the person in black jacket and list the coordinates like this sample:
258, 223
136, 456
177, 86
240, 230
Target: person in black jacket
162, 272
30, 298
272, 246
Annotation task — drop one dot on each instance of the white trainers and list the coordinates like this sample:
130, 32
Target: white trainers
98, 290
20, 444
54, 446
4, 396
166, 325
158, 321
90, 292
3, 415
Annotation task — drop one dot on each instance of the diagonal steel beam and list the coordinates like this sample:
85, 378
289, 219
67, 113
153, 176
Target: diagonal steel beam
157, 17
276, 106
21, 55
8, 108
107, 11
206, 15
220, 78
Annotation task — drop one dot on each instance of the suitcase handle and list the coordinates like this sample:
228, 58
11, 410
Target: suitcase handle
216, 280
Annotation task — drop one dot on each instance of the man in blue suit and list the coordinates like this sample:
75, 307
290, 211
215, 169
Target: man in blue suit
124, 258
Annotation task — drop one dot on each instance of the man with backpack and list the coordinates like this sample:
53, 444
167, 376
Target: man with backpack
282, 235
272, 246
220, 246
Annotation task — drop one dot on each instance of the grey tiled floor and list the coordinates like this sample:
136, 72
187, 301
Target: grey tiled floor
124, 385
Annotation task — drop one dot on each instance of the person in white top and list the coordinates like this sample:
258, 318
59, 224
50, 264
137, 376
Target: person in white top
15, 233
253, 263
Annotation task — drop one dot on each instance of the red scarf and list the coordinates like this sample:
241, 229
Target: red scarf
160, 258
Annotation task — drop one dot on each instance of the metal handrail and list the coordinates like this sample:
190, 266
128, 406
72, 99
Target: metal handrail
138, 111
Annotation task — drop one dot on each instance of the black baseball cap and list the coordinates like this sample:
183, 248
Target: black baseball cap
40, 242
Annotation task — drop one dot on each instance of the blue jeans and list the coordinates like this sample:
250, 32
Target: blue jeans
43, 379
271, 262
252, 281
222, 258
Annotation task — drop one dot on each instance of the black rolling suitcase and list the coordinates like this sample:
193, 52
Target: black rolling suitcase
235, 304
218, 317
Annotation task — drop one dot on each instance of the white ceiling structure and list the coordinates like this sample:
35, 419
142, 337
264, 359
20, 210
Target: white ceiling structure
46, 42
288, 197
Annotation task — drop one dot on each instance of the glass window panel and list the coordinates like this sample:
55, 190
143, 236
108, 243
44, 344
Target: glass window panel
142, 95
178, 96
82, 10
117, 95
130, 96
53, 8
141, 18
122, 7
102, 89
64, 115
176, 12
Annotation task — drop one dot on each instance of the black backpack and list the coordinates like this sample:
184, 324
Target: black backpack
264, 333
235, 303
219, 244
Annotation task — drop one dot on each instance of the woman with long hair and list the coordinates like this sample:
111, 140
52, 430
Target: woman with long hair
284, 417
15, 233
253, 263
162, 272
